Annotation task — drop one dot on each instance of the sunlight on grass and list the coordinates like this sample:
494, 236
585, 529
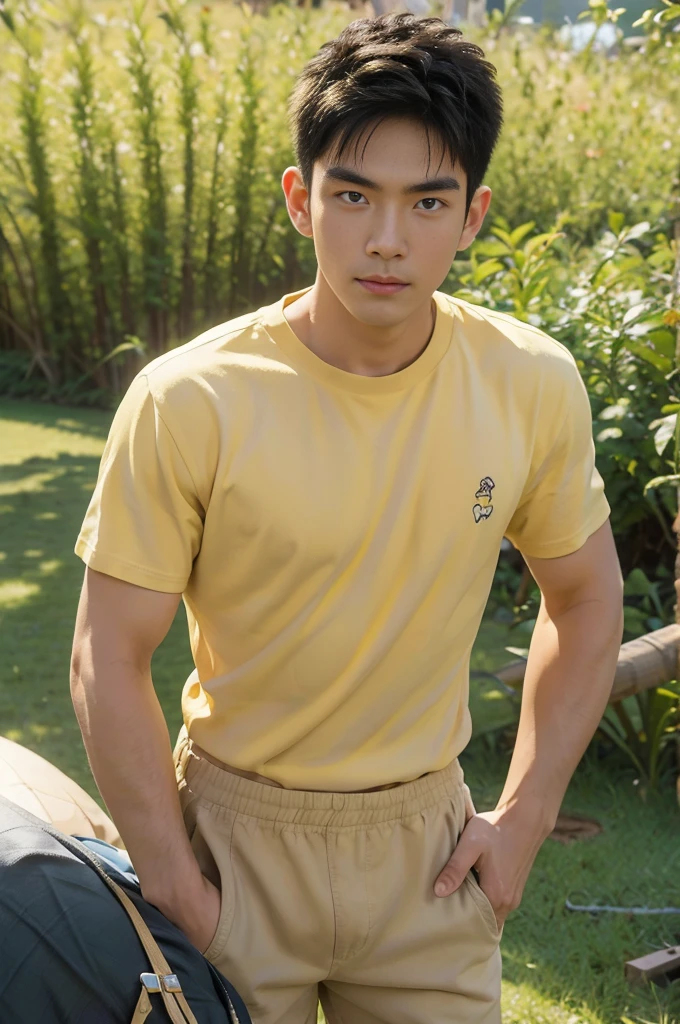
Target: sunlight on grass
51, 565
23, 440
523, 1005
16, 592
32, 482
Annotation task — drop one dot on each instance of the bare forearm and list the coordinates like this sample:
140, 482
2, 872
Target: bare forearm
569, 676
128, 746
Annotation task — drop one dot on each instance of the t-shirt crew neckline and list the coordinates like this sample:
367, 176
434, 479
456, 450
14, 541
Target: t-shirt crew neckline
283, 335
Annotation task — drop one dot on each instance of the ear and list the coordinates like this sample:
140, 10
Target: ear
475, 218
297, 200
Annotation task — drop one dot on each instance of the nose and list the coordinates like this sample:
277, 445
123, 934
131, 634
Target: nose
387, 237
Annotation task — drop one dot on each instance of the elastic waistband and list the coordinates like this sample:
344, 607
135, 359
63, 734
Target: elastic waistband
305, 807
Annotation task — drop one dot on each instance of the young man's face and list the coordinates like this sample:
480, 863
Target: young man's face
386, 212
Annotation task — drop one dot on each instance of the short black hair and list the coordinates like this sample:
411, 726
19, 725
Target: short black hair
398, 65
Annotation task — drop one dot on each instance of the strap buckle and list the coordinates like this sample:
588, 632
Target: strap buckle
158, 983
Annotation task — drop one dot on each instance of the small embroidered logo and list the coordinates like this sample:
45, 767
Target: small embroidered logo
483, 508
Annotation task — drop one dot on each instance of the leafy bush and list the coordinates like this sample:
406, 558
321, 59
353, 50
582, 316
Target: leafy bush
609, 303
141, 151
140, 159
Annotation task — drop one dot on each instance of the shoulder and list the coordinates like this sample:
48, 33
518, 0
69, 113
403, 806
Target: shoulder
195, 393
202, 363
517, 345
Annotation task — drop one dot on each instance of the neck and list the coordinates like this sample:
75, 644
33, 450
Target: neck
329, 330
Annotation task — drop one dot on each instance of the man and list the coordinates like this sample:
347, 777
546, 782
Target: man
327, 482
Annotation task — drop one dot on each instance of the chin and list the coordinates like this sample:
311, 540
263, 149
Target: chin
377, 317
378, 310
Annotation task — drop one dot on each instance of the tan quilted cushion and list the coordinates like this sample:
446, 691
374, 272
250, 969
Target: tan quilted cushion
37, 786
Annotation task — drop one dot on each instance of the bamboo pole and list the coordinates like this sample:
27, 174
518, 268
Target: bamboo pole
646, 662
675, 301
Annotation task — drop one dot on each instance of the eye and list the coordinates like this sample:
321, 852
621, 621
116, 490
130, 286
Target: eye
428, 204
353, 198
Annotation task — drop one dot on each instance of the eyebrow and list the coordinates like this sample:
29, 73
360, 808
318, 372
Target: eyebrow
446, 184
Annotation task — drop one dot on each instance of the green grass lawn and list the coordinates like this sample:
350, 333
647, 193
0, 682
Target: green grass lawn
560, 967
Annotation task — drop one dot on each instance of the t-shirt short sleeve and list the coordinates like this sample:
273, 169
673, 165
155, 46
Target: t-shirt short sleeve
144, 522
563, 502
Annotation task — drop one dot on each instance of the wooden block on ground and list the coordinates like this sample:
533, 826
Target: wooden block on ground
662, 967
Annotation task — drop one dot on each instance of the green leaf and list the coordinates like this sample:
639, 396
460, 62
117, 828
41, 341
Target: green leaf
491, 247
647, 16
547, 239
8, 19
615, 221
670, 14
125, 346
665, 432
503, 235
637, 231
662, 481
614, 412
663, 341
486, 269
521, 652
644, 351
637, 584
610, 434
635, 313
521, 232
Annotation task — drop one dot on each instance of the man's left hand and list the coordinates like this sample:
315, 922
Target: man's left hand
501, 845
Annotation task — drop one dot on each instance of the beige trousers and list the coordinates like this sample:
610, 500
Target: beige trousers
329, 896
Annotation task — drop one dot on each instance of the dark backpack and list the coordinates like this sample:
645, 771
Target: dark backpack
79, 944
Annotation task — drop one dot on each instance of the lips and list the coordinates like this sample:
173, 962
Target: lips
382, 285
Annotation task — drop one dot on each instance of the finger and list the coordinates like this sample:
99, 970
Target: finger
457, 867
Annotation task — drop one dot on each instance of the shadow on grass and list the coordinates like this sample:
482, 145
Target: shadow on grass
42, 505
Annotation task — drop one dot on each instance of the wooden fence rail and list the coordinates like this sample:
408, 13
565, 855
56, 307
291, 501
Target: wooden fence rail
648, 661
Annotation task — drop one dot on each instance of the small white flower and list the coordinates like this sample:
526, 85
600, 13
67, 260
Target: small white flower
666, 144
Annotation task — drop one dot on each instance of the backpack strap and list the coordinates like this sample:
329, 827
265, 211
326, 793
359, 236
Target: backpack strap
162, 979
142, 1009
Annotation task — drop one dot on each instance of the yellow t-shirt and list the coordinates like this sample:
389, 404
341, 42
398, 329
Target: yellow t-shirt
335, 536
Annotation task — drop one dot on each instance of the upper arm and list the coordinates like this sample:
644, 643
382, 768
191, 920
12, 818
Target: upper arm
563, 501
144, 523
119, 621
590, 573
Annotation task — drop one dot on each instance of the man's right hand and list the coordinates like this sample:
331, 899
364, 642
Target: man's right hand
197, 914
